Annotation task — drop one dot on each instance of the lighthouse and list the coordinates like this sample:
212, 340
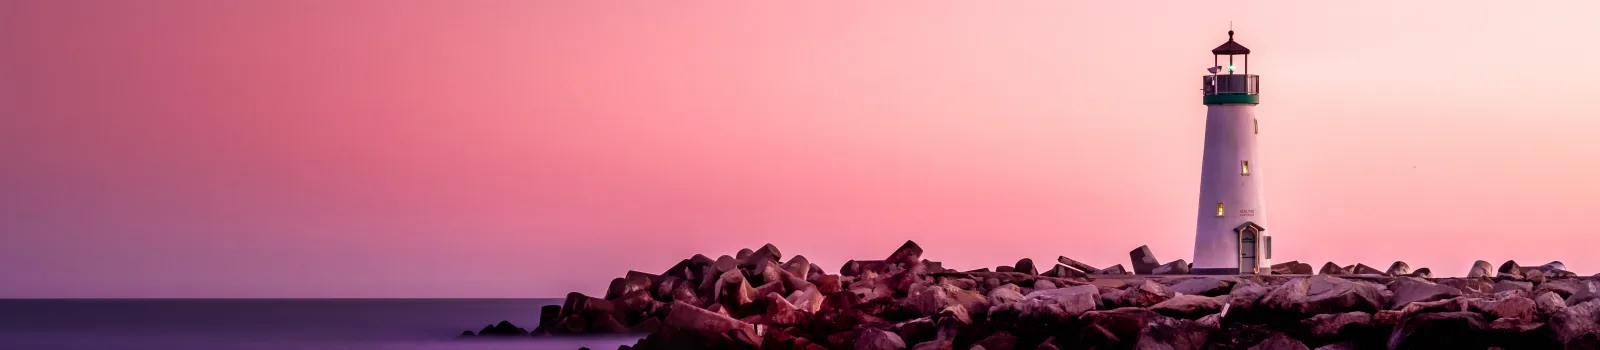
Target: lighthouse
1231, 226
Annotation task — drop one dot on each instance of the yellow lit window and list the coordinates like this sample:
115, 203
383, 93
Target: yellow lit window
1219, 209
1244, 168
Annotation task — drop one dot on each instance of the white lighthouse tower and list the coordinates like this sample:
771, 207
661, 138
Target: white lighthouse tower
1230, 232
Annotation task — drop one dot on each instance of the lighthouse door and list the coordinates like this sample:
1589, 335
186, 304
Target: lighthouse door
1247, 250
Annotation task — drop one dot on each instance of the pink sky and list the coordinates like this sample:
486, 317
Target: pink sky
529, 148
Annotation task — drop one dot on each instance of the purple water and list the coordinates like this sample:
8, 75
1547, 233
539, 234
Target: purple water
311, 324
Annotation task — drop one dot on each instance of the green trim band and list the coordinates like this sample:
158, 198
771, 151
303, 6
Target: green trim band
1225, 99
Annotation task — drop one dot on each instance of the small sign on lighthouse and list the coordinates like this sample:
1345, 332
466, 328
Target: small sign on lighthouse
1230, 229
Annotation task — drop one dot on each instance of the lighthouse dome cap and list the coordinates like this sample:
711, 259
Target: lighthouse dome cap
1231, 47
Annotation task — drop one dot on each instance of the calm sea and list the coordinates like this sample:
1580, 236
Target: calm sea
312, 324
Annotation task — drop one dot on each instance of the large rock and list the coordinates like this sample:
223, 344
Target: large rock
1443, 330
1081, 267
1363, 269
632, 282
766, 252
1565, 288
1331, 268
1176, 267
1469, 285
549, 318
1327, 326
1410, 290
1170, 333
1049, 305
1587, 290
1480, 268
1062, 271
1513, 307
934, 298
1398, 268
1280, 341
798, 266
1324, 294
1292, 268
1001, 340
1142, 293
1246, 296
1113, 270
1026, 266
877, 339
1188, 306
584, 314
1421, 273
1144, 261
1207, 286
1509, 285
504, 328
1570, 324
908, 254
704, 324
1509, 269
733, 290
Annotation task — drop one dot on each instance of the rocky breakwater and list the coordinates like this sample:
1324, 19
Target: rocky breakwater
758, 300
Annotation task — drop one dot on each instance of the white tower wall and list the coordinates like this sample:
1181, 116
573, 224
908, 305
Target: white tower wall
1231, 134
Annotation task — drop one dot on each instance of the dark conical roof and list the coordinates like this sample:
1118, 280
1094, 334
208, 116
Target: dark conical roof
1231, 47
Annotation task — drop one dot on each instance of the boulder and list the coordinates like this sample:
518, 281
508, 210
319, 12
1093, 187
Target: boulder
1046, 305
935, 345
1062, 271
1571, 324
1553, 266
1245, 296
702, 323
798, 266
733, 290
1509, 285
1324, 294
1142, 293
1548, 303
634, 281
743, 254
1001, 340
1421, 273
1188, 306
877, 339
1176, 267
1169, 333
1443, 330
779, 311
1513, 307
1207, 286
1509, 269
1586, 291
1331, 268
808, 300
1004, 268
1081, 267
1043, 284
908, 254
1398, 268
1144, 261
1565, 288
934, 266
1280, 341
916, 330
828, 283
549, 318
1113, 270
766, 252
1327, 326
1363, 269
1481, 269
934, 298
1410, 290
1292, 268
1026, 266
1469, 285
581, 313
636, 307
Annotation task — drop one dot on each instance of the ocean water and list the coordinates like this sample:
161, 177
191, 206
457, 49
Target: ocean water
277, 324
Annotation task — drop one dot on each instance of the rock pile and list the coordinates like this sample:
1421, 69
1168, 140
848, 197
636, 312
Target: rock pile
758, 300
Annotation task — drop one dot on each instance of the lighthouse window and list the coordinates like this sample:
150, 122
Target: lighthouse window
1257, 123
1219, 209
1244, 168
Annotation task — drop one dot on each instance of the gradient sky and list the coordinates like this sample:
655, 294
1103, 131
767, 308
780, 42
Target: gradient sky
393, 148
